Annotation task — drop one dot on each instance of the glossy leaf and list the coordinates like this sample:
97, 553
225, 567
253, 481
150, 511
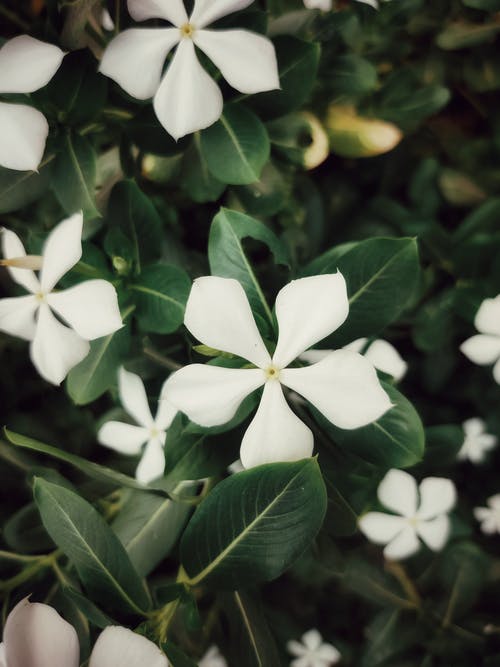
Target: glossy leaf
74, 175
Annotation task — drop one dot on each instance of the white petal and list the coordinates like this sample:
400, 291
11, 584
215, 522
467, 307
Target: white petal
166, 411
474, 426
55, 348
188, 99
27, 64
387, 359
213, 658
398, 492
344, 387
133, 397
402, 546
308, 310
487, 320
496, 372
208, 11
381, 528
36, 636
312, 639
275, 433
210, 395
3, 659
23, 133
152, 463
372, 3
357, 345
437, 496
328, 654
124, 438
120, 647
295, 648
17, 316
12, 247
434, 532
135, 59
313, 356
324, 5
218, 314
90, 308
62, 250
246, 60
170, 10
494, 501
301, 662
482, 349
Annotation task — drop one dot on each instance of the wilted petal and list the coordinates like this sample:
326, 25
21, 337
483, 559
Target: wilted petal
487, 320
120, 647
246, 60
62, 250
218, 314
133, 397
27, 64
403, 545
435, 532
170, 10
23, 133
90, 308
166, 411
55, 348
188, 99
17, 316
210, 395
381, 528
135, 59
482, 349
308, 310
344, 387
152, 463
124, 438
36, 636
398, 492
12, 247
208, 11
275, 433
437, 496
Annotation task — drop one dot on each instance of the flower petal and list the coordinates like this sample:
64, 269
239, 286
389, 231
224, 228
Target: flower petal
36, 636
124, 438
55, 348
437, 496
188, 99
90, 308
344, 387
210, 395
166, 411
308, 310
135, 59
218, 314
328, 654
482, 349
387, 359
246, 60
312, 639
170, 10
133, 397
295, 648
23, 133
3, 662
12, 247
17, 316
117, 646
398, 492
403, 545
62, 250
381, 528
275, 433
208, 11
474, 426
152, 463
27, 64
435, 532
324, 5
496, 372
487, 320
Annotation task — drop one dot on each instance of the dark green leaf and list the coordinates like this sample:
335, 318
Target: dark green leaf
74, 175
20, 188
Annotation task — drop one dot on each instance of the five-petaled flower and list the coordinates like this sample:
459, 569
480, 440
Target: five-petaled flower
344, 386
26, 64
484, 348
422, 513
476, 442
489, 516
186, 98
312, 652
90, 309
128, 439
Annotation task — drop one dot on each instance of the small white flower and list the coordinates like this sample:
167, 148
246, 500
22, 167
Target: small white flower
312, 652
344, 386
484, 348
186, 98
422, 513
489, 516
90, 309
213, 658
129, 439
26, 64
477, 442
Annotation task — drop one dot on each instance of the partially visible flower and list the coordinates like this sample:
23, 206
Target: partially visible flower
344, 386
312, 652
422, 513
26, 64
484, 348
477, 442
213, 658
489, 516
186, 98
129, 439
235, 467
90, 309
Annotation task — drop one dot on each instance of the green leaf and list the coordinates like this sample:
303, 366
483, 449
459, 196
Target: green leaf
74, 175
351, 76
254, 525
375, 585
176, 657
88, 608
160, 294
148, 135
443, 443
236, 147
20, 188
196, 179
390, 633
101, 561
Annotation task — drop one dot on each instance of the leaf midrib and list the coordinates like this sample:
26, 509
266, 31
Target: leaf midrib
239, 149
159, 295
374, 277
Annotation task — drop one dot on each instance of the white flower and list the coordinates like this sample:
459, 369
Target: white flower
90, 309
381, 353
477, 442
36, 636
26, 64
213, 658
344, 386
422, 513
312, 652
186, 98
484, 348
489, 516
128, 439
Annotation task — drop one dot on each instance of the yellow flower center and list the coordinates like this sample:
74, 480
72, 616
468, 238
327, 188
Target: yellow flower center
187, 31
272, 373
40, 297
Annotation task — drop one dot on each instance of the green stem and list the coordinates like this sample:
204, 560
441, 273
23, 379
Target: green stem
31, 571
17, 558
167, 362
